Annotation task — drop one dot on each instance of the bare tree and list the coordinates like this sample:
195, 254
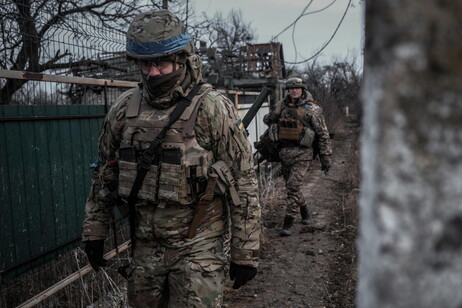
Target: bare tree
29, 28
226, 38
334, 86
231, 32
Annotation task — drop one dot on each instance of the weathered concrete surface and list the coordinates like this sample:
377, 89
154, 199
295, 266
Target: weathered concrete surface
411, 193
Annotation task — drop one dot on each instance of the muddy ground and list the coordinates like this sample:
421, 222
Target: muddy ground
316, 266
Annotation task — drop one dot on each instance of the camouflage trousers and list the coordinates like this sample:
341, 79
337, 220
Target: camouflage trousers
187, 277
294, 167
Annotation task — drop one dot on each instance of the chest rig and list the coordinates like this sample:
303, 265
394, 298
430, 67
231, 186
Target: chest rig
179, 171
289, 124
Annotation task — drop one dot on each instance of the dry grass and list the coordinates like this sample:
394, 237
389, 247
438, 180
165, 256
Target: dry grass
103, 289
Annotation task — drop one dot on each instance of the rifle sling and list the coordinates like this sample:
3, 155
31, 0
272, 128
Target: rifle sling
148, 157
301, 119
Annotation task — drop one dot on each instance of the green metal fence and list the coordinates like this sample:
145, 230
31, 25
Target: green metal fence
45, 153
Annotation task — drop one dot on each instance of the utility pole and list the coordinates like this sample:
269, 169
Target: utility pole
410, 247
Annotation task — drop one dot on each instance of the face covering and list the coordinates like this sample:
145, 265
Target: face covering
162, 85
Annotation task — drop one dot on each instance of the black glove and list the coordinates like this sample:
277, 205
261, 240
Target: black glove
270, 118
94, 251
325, 164
241, 274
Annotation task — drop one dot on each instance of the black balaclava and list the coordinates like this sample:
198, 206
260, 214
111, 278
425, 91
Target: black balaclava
162, 85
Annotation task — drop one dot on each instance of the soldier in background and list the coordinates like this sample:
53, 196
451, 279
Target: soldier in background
177, 250
295, 125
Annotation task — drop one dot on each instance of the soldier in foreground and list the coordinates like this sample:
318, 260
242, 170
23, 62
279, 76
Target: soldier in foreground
200, 170
295, 124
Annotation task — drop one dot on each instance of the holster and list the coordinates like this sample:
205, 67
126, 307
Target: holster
204, 200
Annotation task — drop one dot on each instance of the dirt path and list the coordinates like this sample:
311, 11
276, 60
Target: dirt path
316, 266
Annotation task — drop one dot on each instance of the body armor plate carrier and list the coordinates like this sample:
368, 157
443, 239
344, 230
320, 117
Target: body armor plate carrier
179, 173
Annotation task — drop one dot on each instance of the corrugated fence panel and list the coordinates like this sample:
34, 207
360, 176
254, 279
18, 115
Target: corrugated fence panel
6, 222
44, 178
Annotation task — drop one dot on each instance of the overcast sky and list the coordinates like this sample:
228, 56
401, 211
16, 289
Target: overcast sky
269, 17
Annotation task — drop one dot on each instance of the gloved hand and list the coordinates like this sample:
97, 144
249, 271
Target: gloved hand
241, 274
94, 251
270, 118
325, 163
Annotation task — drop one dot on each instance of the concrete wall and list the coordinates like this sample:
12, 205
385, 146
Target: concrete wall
411, 193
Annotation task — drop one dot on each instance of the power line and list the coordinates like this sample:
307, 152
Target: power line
294, 22
320, 10
305, 14
328, 42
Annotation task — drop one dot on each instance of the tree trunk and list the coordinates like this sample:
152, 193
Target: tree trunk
411, 214
10, 87
165, 4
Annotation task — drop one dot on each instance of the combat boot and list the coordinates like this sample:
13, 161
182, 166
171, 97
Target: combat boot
288, 227
305, 215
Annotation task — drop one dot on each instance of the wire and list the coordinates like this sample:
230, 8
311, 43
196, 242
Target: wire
293, 41
294, 22
304, 14
328, 42
320, 10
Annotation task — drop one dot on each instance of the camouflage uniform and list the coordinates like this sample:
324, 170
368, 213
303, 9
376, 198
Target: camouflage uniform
166, 263
296, 158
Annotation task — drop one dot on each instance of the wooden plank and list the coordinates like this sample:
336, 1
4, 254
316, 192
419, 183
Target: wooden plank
66, 79
90, 81
32, 302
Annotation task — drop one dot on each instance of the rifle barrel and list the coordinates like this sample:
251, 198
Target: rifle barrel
256, 106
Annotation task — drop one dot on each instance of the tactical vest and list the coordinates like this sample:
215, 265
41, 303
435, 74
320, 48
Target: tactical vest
179, 173
290, 129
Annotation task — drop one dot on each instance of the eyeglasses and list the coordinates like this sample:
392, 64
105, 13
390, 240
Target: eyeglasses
160, 64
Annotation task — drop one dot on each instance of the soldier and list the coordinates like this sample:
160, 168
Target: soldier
202, 171
295, 124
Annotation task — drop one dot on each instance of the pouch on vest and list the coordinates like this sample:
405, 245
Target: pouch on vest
172, 181
307, 137
225, 181
127, 153
128, 168
127, 175
290, 130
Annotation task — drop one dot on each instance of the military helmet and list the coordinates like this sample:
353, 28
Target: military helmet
295, 81
157, 34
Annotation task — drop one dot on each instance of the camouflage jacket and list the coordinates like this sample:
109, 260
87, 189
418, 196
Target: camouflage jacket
313, 117
217, 130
